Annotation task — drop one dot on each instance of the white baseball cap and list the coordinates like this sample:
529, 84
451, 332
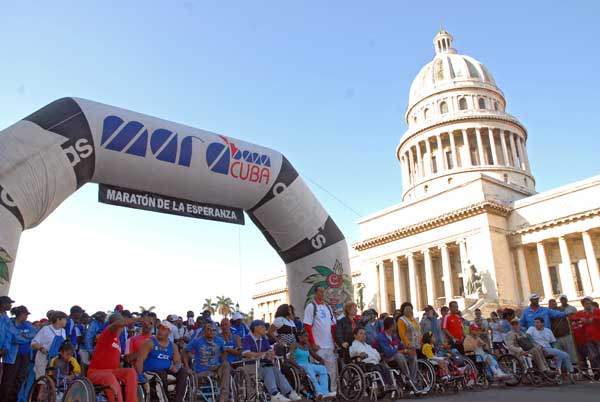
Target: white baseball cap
534, 296
237, 316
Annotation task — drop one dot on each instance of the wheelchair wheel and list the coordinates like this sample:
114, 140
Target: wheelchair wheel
243, 385
293, 376
80, 390
511, 365
352, 383
190, 388
471, 376
42, 390
425, 376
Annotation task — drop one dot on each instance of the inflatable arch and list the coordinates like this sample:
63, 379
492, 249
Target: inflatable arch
154, 164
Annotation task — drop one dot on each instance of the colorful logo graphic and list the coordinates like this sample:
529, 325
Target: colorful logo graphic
338, 287
238, 163
4, 260
134, 139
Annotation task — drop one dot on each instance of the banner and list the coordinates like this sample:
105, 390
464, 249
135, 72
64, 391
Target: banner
124, 197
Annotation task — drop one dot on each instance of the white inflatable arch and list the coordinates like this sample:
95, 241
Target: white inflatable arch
155, 164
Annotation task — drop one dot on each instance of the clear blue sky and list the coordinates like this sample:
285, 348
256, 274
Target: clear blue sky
325, 84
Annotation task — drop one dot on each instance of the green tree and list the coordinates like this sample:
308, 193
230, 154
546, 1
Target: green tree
225, 306
209, 305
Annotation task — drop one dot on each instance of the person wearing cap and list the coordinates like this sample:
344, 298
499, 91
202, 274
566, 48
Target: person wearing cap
159, 355
174, 334
5, 305
257, 346
48, 340
474, 343
544, 337
565, 306
561, 328
209, 355
238, 326
520, 346
16, 361
105, 365
536, 311
589, 321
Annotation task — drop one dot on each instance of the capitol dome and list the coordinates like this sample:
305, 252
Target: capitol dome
448, 70
458, 128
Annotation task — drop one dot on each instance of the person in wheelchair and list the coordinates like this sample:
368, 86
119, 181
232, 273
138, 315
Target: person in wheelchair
393, 350
299, 357
65, 364
210, 358
519, 345
545, 338
256, 346
474, 343
370, 357
160, 356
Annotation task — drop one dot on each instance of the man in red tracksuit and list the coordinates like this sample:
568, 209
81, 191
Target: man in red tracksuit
589, 319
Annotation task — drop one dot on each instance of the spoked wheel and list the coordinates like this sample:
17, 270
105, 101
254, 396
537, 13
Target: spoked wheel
293, 377
551, 377
472, 378
352, 383
425, 376
243, 386
80, 390
190, 388
42, 390
509, 364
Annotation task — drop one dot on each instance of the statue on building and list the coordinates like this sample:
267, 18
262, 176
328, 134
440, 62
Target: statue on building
475, 283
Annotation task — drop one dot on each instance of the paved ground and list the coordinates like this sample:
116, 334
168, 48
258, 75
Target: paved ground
580, 392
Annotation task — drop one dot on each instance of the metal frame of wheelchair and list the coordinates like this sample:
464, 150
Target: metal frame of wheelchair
478, 371
354, 381
154, 384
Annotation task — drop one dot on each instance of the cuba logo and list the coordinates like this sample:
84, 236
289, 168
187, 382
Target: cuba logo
238, 163
134, 139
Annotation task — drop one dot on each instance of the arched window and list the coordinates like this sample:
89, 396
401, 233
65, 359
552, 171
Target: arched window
415, 119
462, 104
443, 107
426, 114
481, 103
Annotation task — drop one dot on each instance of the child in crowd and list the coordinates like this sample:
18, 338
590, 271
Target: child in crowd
474, 343
428, 349
65, 364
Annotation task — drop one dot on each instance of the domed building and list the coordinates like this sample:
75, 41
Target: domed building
470, 226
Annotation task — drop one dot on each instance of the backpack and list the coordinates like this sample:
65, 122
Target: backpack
328, 308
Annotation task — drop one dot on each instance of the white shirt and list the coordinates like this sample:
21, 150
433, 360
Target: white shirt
359, 347
321, 325
46, 336
544, 337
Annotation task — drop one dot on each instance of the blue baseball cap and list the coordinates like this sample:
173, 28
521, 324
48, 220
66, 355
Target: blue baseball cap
256, 323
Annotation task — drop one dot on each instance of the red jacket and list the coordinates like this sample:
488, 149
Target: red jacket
591, 330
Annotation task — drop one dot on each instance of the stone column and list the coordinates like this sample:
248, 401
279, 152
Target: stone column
467, 155
493, 146
411, 160
428, 167
429, 282
453, 149
504, 148
523, 155
403, 170
523, 274
592, 262
419, 159
440, 159
511, 138
480, 147
464, 263
447, 273
412, 280
566, 275
383, 289
398, 290
546, 283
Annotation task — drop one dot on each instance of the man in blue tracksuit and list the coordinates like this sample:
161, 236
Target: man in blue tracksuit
5, 324
536, 311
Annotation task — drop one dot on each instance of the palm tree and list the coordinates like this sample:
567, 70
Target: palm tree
209, 305
143, 309
224, 306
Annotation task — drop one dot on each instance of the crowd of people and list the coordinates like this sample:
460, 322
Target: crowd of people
116, 349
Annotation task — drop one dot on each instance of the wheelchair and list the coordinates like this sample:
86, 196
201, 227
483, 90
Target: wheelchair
246, 384
54, 387
154, 390
479, 376
355, 380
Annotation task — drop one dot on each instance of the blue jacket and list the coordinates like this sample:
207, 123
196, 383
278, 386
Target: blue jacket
4, 333
387, 347
16, 338
93, 330
529, 316
371, 330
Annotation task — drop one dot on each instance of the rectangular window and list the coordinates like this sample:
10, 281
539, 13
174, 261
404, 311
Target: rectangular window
554, 280
449, 160
576, 272
434, 164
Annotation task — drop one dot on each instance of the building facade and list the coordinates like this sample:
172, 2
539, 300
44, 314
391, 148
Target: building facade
470, 226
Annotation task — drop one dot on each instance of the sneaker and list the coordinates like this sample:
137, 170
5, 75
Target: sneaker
294, 397
331, 395
279, 398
